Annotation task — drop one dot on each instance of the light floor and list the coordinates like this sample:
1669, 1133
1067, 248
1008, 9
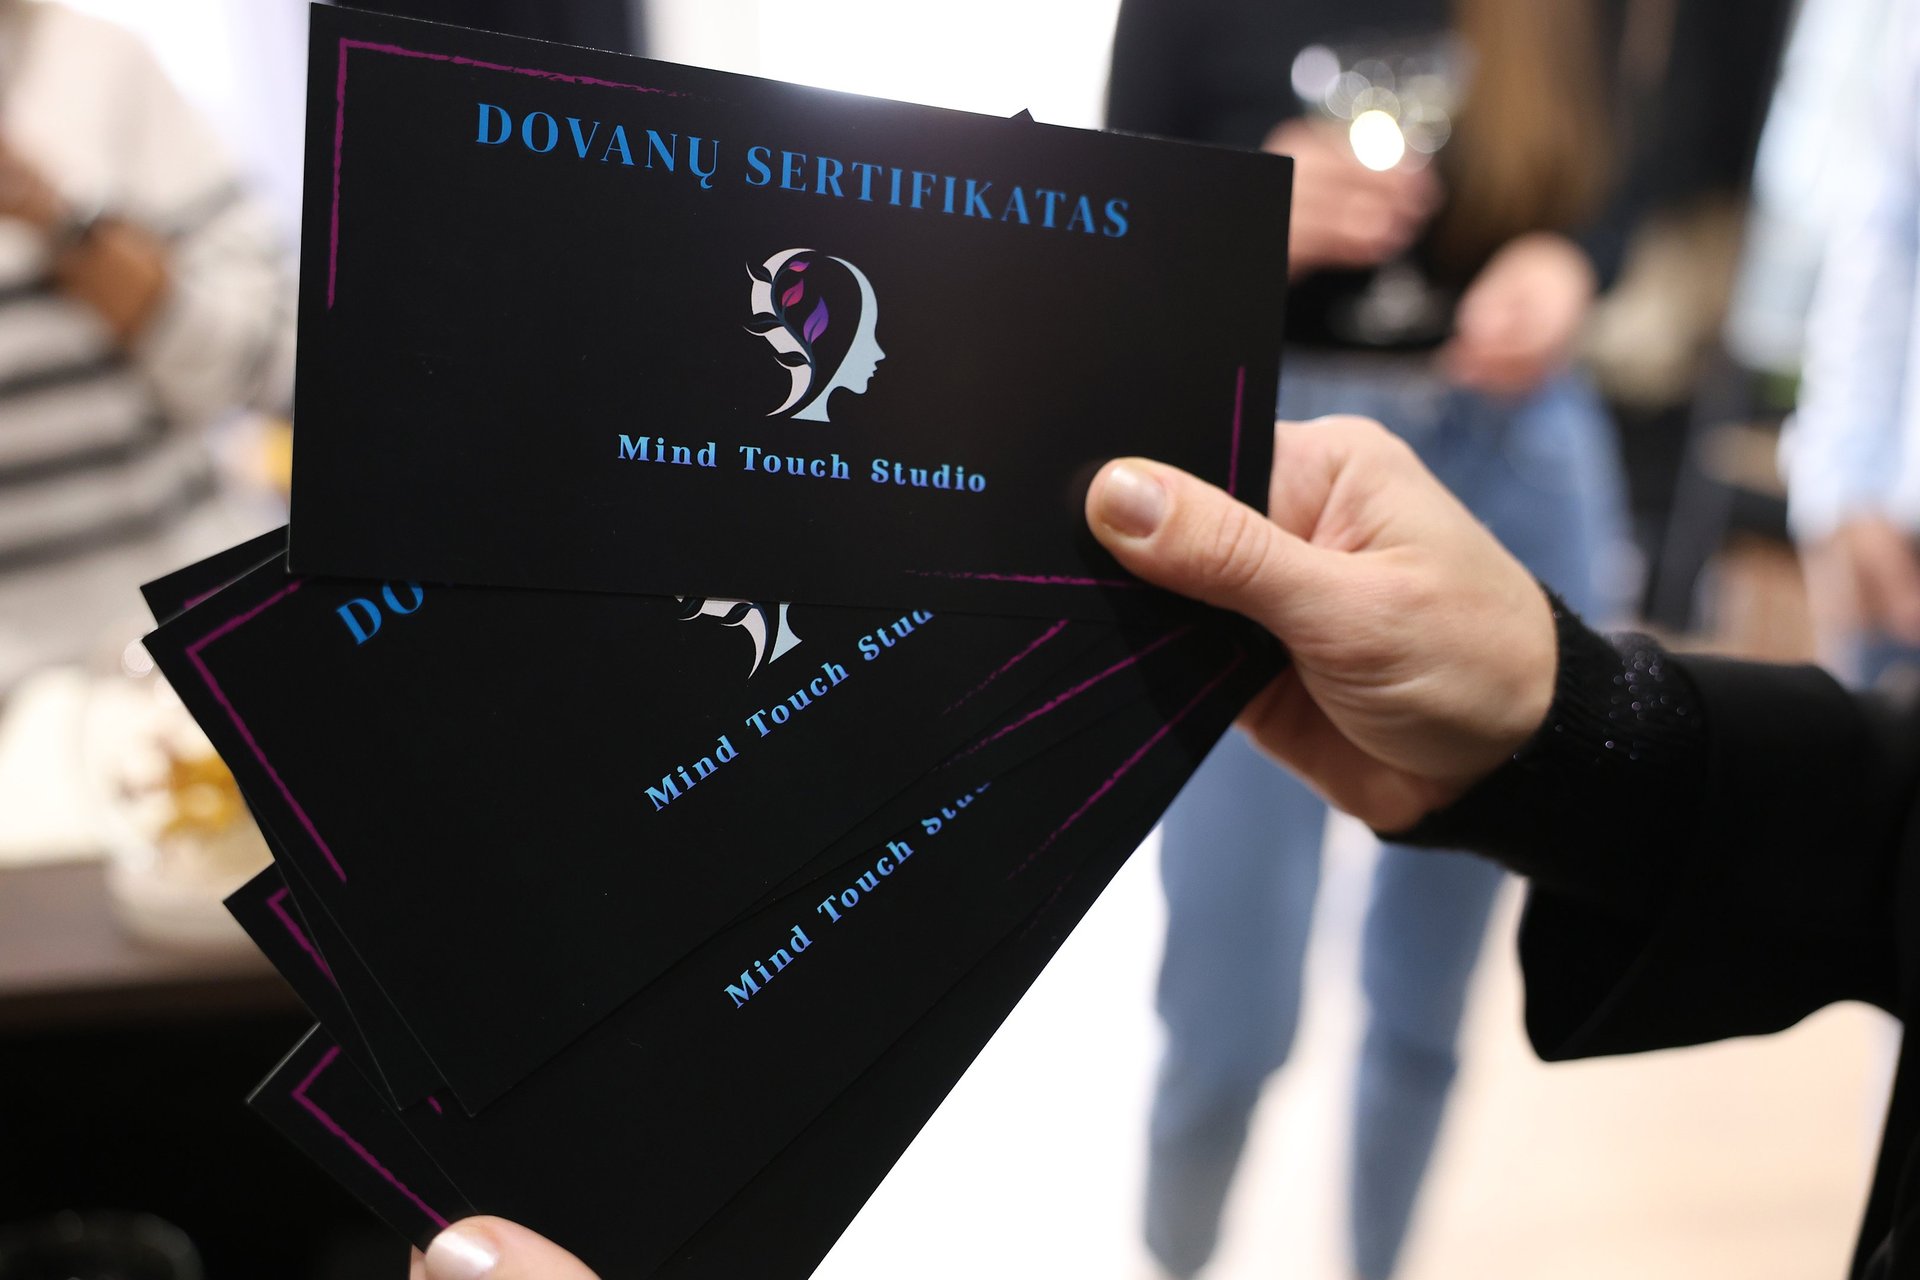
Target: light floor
1745, 1160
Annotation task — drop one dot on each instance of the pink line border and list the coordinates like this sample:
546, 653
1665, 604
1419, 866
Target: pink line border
1127, 765
1134, 584
332, 1126
1009, 664
340, 116
246, 734
276, 903
1233, 455
1059, 700
1027, 579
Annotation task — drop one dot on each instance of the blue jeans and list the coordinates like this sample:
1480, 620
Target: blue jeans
1241, 849
1874, 661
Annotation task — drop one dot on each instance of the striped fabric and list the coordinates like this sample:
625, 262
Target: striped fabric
101, 455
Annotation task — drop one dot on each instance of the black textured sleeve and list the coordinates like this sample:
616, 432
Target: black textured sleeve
1715, 848
1621, 755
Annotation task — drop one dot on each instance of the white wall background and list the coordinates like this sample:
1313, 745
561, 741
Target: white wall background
995, 56
244, 61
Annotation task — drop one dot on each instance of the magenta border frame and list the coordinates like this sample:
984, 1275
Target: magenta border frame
332, 1126
1127, 766
1068, 695
246, 735
347, 44
1052, 630
276, 903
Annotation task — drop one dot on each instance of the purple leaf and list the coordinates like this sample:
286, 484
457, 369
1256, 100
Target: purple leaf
793, 295
798, 266
817, 322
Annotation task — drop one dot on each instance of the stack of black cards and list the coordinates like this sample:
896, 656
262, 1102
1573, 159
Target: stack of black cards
688, 710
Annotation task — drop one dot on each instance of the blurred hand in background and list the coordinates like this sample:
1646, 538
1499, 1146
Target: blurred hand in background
1517, 325
25, 192
1866, 574
1346, 215
115, 267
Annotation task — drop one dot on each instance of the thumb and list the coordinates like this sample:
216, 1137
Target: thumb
1179, 532
495, 1249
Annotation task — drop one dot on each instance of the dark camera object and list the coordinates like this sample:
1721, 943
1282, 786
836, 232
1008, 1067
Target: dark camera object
97, 1246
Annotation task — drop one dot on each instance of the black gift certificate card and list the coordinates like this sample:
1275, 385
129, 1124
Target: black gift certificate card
521, 806
694, 1090
572, 319
326, 970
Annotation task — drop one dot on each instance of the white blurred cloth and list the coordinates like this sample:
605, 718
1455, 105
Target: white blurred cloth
44, 806
1854, 446
105, 476
1820, 136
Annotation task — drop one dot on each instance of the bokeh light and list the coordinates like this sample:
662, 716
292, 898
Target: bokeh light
1377, 140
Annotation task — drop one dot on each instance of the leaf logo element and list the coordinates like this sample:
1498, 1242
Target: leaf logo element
816, 323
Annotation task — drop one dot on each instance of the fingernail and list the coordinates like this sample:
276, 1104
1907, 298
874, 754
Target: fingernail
460, 1255
1132, 502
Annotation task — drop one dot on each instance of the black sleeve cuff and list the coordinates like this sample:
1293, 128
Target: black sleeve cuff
1623, 748
1716, 847
1784, 896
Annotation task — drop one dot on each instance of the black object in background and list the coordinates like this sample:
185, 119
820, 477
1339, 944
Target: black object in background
98, 1246
147, 1117
598, 24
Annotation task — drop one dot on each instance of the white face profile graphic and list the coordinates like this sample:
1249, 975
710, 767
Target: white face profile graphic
765, 624
792, 315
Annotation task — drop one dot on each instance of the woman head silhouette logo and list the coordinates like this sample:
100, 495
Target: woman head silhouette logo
765, 623
818, 313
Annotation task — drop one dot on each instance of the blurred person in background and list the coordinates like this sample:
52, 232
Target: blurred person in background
1814, 183
142, 296
1807, 175
1446, 299
1853, 452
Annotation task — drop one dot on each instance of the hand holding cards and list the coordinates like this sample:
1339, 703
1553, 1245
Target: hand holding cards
689, 709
